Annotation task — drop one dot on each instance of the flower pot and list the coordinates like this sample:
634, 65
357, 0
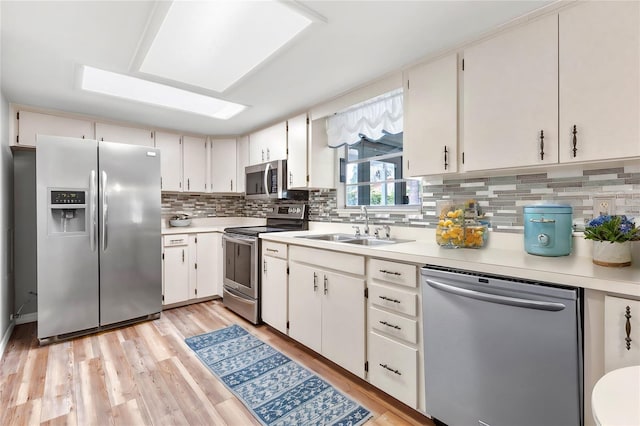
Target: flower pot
606, 253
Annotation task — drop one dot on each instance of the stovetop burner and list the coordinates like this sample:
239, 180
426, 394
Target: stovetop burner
285, 217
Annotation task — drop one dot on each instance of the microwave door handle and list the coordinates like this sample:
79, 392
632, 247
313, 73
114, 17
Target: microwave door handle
266, 179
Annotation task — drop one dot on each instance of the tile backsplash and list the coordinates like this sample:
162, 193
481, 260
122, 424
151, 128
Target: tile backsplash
501, 198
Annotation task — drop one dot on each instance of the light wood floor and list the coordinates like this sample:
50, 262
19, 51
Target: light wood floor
146, 375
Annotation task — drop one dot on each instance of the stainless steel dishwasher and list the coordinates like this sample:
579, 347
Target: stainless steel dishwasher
500, 351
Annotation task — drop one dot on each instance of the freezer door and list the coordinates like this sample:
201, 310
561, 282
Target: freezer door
130, 246
67, 258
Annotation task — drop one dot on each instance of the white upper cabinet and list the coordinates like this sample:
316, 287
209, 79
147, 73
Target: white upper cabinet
511, 98
170, 146
297, 147
195, 164
121, 134
430, 144
30, 124
223, 165
242, 160
600, 81
268, 144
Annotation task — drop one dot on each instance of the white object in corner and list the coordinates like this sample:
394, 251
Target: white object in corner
615, 397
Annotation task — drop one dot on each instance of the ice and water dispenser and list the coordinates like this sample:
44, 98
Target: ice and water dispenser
67, 211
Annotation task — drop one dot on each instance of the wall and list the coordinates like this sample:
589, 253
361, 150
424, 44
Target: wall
6, 197
501, 198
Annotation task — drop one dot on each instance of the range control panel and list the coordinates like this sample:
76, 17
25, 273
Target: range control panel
67, 197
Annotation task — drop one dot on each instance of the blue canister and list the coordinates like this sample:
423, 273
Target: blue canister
548, 229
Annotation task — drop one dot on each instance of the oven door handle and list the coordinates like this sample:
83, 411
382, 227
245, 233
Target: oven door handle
247, 241
237, 295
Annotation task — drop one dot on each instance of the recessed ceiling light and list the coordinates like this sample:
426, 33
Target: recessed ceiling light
213, 44
124, 86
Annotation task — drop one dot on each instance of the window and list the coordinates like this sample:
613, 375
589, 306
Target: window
374, 174
372, 133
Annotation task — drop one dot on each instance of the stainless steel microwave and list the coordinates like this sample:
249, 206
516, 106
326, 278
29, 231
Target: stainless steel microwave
269, 181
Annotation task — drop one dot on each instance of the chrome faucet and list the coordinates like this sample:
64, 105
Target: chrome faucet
366, 220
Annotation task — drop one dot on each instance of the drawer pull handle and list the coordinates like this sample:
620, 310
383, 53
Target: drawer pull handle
386, 367
176, 241
541, 144
627, 327
384, 271
388, 299
272, 250
390, 325
574, 141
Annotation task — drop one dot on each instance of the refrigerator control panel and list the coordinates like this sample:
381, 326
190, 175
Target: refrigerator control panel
67, 197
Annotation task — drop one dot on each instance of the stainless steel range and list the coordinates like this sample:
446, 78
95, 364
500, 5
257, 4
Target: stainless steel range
241, 249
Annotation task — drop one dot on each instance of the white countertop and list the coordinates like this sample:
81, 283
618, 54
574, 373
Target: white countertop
211, 224
574, 270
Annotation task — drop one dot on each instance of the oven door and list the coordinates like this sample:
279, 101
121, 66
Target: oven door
241, 264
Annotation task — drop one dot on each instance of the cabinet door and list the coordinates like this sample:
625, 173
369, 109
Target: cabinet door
170, 146
621, 349
242, 161
297, 146
305, 306
268, 144
600, 81
120, 134
510, 97
223, 165
343, 313
430, 144
30, 124
273, 298
208, 274
176, 274
195, 164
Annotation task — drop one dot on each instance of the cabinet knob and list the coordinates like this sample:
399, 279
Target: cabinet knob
627, 328
446, 158
542, 144
315, 282
575, 141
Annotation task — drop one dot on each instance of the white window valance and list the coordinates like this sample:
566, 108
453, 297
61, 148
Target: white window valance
370, 118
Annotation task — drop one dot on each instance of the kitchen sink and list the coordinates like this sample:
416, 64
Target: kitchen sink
374, 241
352, 239
329, 237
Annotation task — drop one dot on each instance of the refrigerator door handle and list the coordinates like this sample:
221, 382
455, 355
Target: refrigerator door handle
93, 201
494, 298
104, 211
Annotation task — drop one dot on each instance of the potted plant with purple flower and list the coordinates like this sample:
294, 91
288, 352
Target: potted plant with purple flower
612, 236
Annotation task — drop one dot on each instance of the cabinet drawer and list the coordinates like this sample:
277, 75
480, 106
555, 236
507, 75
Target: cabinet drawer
176, 240
343, 262
394, 325
393, 272
394, 299
274, 249
393, 367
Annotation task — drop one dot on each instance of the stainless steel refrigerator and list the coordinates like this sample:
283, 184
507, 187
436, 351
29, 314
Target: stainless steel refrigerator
98, 234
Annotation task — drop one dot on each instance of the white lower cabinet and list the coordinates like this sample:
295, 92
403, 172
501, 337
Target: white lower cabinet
274, 295
327, 306
175, 265
394, 347
393, 367
192, 267
621, 332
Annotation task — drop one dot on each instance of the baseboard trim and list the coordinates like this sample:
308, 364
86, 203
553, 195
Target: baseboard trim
6, 337
26, 318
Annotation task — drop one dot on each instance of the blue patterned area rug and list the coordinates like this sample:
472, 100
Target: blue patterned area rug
277, 390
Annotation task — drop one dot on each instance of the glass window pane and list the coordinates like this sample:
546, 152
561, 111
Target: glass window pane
376, 194
352, 195
352, 173
377, 171
413, 191
390, 199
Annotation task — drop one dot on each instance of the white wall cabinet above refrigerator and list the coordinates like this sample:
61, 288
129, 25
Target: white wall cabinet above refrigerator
511, 98
194, 152
122, 134
268, 144
223, 165
599, 81
170, 145
30, 124
430, 143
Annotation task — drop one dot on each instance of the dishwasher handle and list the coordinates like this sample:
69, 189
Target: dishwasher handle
494, 298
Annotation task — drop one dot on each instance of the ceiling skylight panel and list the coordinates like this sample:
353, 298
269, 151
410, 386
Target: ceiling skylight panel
213, 44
